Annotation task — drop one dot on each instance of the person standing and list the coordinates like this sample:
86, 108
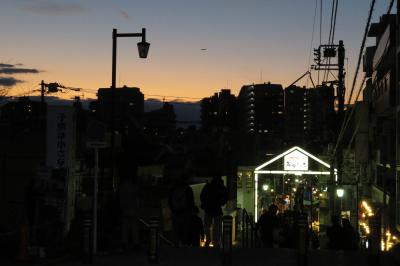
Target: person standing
181, 203
213, 196
195, 229
335, 234
350, 236
268, 226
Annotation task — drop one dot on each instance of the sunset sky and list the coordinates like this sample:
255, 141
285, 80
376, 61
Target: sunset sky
247, 41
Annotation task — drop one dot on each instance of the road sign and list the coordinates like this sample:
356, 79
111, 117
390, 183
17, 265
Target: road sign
97, 144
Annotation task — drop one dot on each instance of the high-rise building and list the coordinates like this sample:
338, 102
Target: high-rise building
296, 107
261, 114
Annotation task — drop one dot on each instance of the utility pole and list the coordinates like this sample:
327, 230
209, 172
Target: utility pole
42, 90
328, 51
340, 94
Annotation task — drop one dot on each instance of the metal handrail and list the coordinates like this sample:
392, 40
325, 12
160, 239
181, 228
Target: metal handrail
162, 237
248, 223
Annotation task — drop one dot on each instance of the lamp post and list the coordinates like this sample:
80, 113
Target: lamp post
143, 49
340, 194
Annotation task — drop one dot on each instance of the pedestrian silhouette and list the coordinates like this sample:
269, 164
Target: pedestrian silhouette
268, 225
335, 234
288, 230
195, 229
181, 202
350, 236
213, 196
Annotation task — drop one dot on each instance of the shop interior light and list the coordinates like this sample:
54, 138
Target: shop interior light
265, 187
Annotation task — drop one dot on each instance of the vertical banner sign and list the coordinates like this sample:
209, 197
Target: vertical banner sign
59, 136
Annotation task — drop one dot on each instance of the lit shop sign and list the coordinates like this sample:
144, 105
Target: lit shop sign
296, 161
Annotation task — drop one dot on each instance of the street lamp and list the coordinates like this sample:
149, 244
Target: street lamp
143, 49
340, 192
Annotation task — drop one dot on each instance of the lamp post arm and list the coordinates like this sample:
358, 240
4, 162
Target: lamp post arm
129, 35
142, 34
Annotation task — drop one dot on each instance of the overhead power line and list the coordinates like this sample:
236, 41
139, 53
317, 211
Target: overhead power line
362, 48
347, 116
390, 7
331, 34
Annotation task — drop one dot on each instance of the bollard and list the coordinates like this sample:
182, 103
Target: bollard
152, 256
374, 240
227, 240
23, 252
87, 257
302, 246
243, 230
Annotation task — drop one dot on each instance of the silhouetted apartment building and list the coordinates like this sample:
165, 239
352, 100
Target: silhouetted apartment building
161, 122
320, 123
219, 111
41, 163
261, 114
375, 141
128, 106
296, 107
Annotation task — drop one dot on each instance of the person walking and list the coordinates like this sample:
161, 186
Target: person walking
181, 203
213, 196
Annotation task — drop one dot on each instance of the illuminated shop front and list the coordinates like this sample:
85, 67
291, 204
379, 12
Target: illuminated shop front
294, 179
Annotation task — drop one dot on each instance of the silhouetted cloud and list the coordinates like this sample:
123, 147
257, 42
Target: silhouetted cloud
14, 70
6, 65
52, 8
9, 81
125, 14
